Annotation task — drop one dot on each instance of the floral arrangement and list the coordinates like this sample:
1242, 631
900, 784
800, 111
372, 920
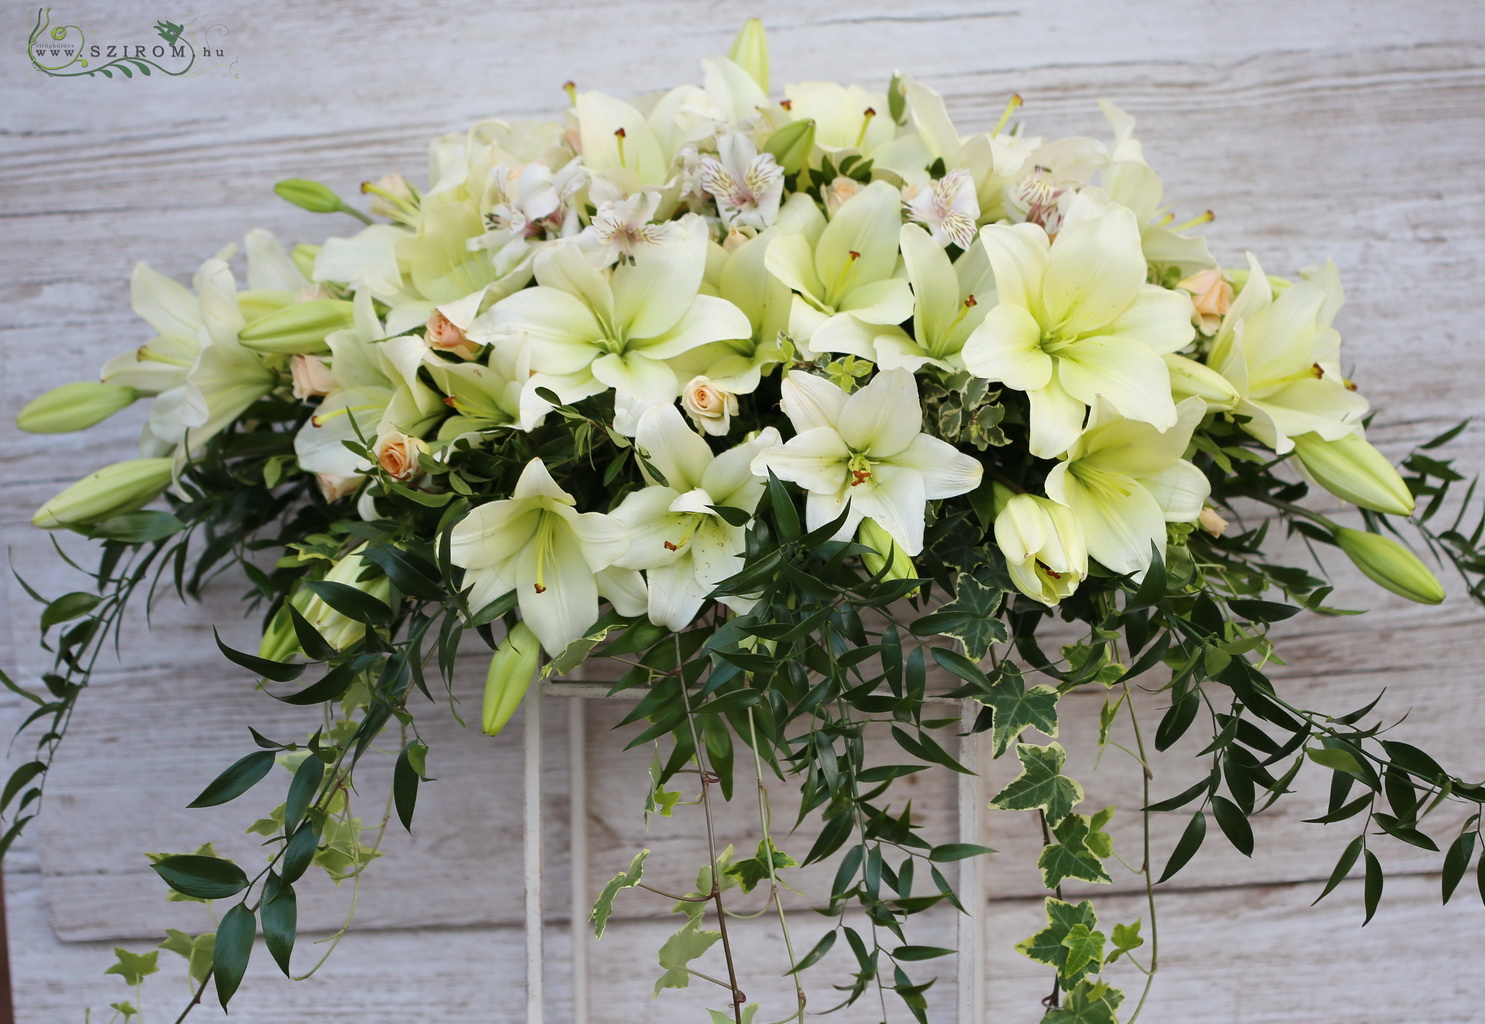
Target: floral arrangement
778, 403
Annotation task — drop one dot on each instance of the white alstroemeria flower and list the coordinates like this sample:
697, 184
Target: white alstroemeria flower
525, 204
746, 184
590, 332
536, 543
947, 207
846, 281
866, 450
1124, 480
950, 301
1076, 320
1043, 546
1282, 356
622, 226
685, 548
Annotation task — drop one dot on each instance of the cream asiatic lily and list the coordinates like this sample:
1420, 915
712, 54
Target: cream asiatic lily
1075, 320
684, 546
846, 281
590, 332
866, 450
1124, 480
1282, 356
949, 301
536, 543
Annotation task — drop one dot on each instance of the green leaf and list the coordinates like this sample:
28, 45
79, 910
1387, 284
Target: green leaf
816, 954
969, 618
1041, 784
1186, 847
1088, 1003
1373, 886
785, 515
1084, 950
405, 779
352, 602
408, 573
1342, 867
748, 1014
1046, 946
604, 908
280, 915
206, 878
920, 952
1456, 862
1070, 856
299, 852
137, 527
679, 950
236, 780
1126, 937
755, 869
307, 779
68, 607
277, 671
956, 851
310, 640
331, 686
1015, 709
1234, 824
197, 951
18, 781
234, 946
134, 967
1336, 760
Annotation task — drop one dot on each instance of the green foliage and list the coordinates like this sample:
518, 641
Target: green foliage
1069, 943
133, 967
1041, 784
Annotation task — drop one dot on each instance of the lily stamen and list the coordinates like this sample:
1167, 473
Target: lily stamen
1010, 108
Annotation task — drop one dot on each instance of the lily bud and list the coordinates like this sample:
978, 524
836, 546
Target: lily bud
1354, 471
339, 630
309, 195
75, 406
1188, 377
1390, 565
881, 543
1043, 546
280, 642
300, 328
111, 491
512, 667
750, 51
304, 256
792, 145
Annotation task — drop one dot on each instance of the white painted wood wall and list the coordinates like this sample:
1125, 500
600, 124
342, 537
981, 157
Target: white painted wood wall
1313, 128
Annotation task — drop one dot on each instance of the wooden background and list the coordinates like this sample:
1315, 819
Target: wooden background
1317, 128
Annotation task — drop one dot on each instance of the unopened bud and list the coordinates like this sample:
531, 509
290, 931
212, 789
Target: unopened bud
75, 406
298, 329
338, 629
886, 553
1188, 378
1354, 471
309, 195
111, 491
1390, 565
792, 145
750, 51
512, 667
1043, 545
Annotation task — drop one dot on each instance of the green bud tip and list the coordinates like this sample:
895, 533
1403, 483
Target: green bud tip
1390, 565
308, 195
74, 406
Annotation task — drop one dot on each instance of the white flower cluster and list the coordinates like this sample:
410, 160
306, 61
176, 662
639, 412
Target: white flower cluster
675, 254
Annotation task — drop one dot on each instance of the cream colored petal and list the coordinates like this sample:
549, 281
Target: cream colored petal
1094, 273
1007, 347
811, 401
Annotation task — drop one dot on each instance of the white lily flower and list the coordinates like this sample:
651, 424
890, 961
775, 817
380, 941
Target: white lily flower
866, 450
847, 283
590, 332
1282, 356
950, 301
1043, 546
746, 184
1075, 320
1124, 480
685, 548
848, 119
536, 543
947, 207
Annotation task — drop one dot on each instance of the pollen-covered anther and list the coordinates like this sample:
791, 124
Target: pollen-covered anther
672, 547
539, 588
1048, 570
859, 477
1319, 371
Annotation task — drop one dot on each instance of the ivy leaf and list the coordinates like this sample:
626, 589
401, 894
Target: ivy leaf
1126, 938
1046, 946
969, 618
1041, 784
134, 967
197, 952
1071, 856
1089, 1003
1015, 708
604, 908
679, 950
748, 1013
1084, 949
755, 869
659, 799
